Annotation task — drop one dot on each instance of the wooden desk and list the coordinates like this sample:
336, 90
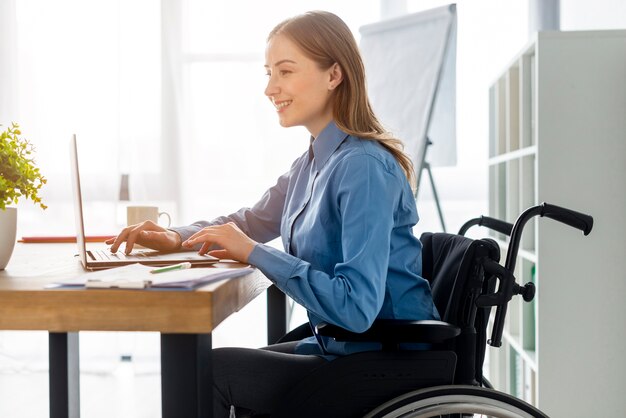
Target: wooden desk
185, 320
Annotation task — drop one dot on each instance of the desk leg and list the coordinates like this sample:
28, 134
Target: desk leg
186, 375
276, 314
64, 375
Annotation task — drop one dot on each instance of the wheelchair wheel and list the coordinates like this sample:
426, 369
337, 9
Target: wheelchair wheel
464, 400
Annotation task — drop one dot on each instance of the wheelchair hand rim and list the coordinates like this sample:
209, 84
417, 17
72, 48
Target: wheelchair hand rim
443, 400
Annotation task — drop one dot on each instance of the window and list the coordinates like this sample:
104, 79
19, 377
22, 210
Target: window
93, 69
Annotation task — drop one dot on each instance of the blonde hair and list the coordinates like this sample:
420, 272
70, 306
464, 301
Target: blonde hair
327, 40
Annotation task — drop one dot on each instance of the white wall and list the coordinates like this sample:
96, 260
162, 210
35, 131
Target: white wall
597, 14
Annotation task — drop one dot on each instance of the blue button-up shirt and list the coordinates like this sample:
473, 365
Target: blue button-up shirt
345, 212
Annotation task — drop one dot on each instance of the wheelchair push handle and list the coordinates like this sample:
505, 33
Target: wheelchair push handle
509, 288
569, 217
488, 222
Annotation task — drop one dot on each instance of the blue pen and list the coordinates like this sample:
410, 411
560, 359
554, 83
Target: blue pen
180, 266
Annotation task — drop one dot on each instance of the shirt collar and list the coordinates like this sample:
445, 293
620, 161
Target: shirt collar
326, 143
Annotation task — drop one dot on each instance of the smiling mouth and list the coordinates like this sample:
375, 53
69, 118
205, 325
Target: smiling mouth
281, 105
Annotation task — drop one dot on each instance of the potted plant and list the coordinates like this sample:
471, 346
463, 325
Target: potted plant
18, 178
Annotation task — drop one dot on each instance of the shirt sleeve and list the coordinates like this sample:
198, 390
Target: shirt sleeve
366, 195
261, 222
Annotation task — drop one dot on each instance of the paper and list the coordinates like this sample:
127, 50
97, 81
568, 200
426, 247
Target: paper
138, 276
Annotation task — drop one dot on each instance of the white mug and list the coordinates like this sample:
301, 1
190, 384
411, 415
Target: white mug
138, 214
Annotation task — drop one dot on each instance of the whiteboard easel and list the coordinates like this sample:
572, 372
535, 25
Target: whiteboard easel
410, 65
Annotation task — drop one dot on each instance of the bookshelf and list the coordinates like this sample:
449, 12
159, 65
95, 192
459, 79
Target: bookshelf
558, 134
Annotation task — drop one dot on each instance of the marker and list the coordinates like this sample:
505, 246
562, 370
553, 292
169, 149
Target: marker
180, 266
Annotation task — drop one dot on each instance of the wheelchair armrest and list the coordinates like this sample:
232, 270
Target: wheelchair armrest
394, 331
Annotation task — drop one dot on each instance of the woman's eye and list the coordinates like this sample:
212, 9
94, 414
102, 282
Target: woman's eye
284, 72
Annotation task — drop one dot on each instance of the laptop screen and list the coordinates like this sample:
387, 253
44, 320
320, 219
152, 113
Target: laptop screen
78, 202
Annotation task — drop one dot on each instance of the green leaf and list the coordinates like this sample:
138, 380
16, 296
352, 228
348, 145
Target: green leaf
19, 177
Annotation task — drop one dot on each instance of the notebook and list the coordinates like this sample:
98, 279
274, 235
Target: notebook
137, 276
103, 259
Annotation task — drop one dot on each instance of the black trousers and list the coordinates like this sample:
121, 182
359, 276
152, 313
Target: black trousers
255, 381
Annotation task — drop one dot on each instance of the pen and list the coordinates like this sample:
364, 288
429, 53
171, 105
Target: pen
180, 266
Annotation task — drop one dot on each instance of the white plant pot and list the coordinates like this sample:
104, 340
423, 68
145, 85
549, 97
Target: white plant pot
8, 228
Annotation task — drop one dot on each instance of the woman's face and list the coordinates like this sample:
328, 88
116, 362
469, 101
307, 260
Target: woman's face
299, 90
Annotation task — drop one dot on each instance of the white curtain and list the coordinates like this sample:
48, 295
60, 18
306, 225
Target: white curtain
8, 60
91, 68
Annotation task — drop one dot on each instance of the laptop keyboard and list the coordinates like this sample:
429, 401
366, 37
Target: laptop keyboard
108, 255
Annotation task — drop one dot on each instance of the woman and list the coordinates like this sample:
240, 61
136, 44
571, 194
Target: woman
344, 211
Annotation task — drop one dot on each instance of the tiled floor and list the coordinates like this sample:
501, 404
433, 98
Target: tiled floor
114, 388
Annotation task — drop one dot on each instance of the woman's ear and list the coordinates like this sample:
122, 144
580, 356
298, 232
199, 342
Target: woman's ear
336, 76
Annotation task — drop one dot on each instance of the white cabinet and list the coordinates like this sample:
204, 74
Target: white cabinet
558, 134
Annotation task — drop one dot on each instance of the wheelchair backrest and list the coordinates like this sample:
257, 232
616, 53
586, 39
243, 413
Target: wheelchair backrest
452, 265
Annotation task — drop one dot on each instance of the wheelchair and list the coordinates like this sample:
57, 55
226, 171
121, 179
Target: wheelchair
467, 282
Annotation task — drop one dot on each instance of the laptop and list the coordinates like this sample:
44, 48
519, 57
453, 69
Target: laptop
103, 259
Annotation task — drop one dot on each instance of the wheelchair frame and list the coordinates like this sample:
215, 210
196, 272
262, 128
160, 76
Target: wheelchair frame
463, 399
466, 396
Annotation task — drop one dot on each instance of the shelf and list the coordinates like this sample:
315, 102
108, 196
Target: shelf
528, 198
513, 155
512, 115
554, 114
512, 189
525, 254
528, 355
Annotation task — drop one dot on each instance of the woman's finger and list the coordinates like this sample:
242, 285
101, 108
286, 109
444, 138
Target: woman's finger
132, 238
205, 248
221, 254
198, 237
203, 232
119, 239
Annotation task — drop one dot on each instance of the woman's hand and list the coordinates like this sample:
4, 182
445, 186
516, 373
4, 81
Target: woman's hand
148, 234
236, 245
